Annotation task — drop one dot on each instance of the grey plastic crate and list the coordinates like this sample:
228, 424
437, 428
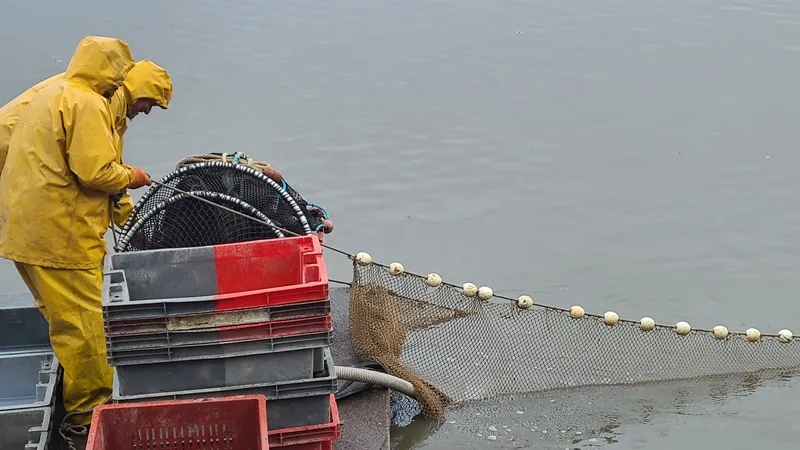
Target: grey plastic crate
28, 429
118, 292
212, 373
28, 380
164, 354
165, 273
144, 338
158, 315
118, 304
23, 330
289, 404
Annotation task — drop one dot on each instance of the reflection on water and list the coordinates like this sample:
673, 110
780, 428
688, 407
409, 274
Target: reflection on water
584, 417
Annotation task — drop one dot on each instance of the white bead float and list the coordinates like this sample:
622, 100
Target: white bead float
647, 324
576, 312
752, 334
785, 336
363, 258
610, 318
720, 332
396, 268
433, 280
485, 293
682, 328
525, 301
470, 290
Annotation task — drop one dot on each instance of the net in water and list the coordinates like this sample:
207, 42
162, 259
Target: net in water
456, 348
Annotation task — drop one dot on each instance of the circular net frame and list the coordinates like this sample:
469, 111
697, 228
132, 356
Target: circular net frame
233, 180
314, 215
183, 221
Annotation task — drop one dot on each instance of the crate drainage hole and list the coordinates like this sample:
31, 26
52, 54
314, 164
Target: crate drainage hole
192, 437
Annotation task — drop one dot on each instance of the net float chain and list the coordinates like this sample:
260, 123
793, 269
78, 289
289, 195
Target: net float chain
435, 280
719, 332
610, 318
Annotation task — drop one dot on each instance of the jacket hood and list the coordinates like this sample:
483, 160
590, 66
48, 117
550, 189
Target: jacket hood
100, 63
148, 80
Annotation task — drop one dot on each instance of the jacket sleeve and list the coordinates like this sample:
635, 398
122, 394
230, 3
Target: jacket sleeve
91, 150
121, 215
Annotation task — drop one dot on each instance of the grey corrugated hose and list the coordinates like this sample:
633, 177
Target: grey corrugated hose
376, 378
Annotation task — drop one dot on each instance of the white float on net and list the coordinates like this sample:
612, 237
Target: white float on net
433, 280
485, 293
363, 258
720, 332
647, 324
470, 290
396, 268
752, 334
525, 301
610, 318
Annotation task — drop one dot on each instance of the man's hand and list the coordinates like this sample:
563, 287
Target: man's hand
274, 174
140, 178
328, 223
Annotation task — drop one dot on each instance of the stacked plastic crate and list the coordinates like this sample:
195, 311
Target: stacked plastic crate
244, 318
29, 373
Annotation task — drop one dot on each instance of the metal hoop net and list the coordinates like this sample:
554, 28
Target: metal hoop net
167, 218
185, 221
315, 215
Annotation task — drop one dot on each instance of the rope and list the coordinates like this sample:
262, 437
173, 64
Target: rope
451, 285
78, 430
237, 157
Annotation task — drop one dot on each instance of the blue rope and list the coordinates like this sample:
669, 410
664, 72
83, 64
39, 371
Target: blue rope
324, 211
236, 156
320, 227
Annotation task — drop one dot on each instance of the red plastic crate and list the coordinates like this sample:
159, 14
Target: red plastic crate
325, 445
312, 437
231, 423
270, 272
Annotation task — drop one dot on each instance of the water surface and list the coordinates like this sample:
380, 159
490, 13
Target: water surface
634, 156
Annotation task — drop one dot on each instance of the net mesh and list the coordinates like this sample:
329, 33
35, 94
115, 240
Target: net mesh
183, 221
315, 215
168, 218
455, 348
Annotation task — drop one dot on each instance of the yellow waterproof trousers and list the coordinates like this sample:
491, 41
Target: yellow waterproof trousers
70, 302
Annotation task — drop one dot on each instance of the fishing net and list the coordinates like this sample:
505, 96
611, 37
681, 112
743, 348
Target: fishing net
453, 343
169, 214
456, 348
314, 213
184, 221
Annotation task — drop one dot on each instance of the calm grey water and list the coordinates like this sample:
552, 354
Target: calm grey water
625, 155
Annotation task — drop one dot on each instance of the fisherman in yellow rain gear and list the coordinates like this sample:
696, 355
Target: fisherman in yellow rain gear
145, 86
62, 167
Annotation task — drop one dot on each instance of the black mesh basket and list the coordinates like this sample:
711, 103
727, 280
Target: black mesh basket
165, 218
315, 214
184, 221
